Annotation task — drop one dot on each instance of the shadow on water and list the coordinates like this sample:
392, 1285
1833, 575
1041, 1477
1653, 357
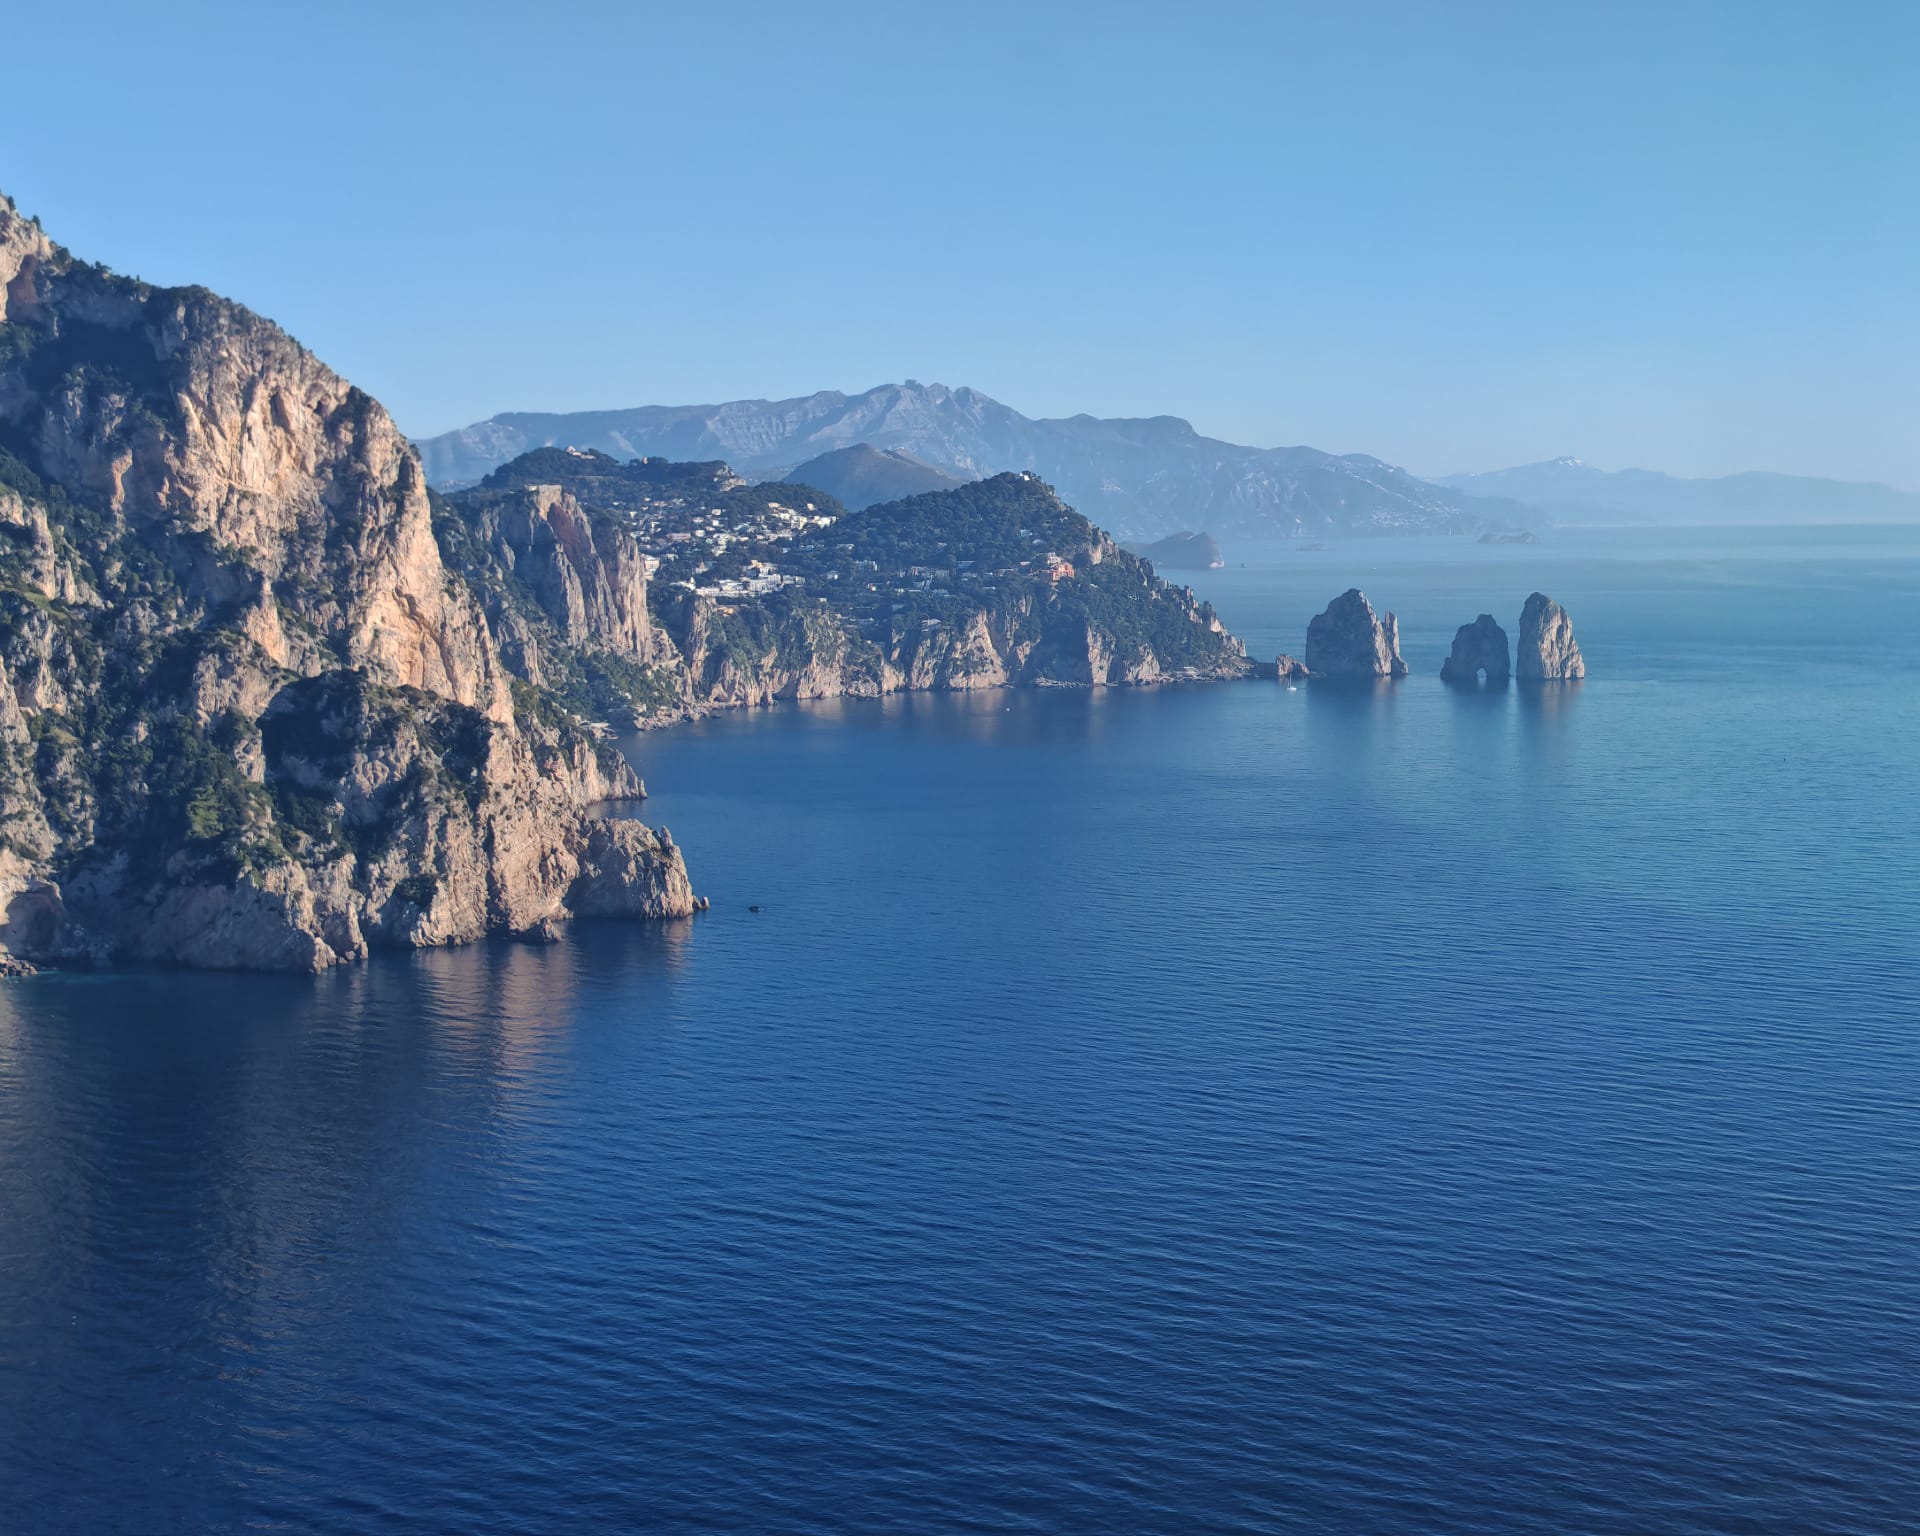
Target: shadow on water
1546, 702
202, 1167
1000, 717
1547, 712
1351, 721
1479, 685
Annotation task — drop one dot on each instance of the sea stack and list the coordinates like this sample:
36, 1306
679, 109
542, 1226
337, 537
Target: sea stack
1548, 653
1479, 655
1347, 641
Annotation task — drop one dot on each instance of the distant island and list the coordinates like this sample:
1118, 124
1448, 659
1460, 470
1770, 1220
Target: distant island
1570, 491
1181, 552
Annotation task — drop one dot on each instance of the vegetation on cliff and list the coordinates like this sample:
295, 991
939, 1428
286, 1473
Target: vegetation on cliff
772, 591
248, 714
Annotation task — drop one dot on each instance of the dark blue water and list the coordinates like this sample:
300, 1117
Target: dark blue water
1214, 1109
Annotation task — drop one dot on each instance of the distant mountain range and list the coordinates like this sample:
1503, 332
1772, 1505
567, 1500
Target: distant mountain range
1569, 491
864, 476
1142, 477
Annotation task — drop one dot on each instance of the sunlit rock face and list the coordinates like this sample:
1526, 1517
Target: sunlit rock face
1480, 653
250, 716
1347, 641
1548, 653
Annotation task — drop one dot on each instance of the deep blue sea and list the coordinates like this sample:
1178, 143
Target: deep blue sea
1208, 1109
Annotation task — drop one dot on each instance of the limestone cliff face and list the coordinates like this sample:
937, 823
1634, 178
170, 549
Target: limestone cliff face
214, 432
217, 559
1547, 650
1346, 641
1478, 648
1026, 638
995, 584
589, 580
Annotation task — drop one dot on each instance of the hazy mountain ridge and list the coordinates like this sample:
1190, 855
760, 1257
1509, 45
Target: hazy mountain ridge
1572, 491
1138, 476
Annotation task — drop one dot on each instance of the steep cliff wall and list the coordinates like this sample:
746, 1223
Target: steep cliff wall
248, 716
1346, 641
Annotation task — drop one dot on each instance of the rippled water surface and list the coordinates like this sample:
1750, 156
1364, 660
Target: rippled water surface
1212, 1109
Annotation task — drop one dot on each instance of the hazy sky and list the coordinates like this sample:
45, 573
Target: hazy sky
1683, 235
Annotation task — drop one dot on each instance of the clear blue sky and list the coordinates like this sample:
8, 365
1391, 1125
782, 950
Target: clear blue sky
1683, 235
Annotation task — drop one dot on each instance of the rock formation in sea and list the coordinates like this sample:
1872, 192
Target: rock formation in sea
1289, 669
251, 714
1547, 651
1479, 654
1347, 641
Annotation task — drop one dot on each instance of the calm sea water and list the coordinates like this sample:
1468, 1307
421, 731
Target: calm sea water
1210, 1109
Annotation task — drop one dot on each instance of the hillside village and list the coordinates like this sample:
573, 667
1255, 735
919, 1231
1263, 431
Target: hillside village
776, 589
705, 529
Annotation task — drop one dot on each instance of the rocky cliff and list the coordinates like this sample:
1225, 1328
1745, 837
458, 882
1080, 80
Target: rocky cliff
1479, 655
1347, 641
1547, 650
989, 584
248, 715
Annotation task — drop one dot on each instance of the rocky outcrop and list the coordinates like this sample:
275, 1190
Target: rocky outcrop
1479, 655
1346, 641
249, 713
1289, 670
586, 575
1547, 651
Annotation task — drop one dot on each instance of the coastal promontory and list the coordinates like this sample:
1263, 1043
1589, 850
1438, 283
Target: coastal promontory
252, 715
1347, 641
757, 593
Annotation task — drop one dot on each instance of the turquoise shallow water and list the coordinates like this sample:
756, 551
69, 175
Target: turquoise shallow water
1203, 1109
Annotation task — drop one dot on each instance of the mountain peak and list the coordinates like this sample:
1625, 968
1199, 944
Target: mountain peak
862, 475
